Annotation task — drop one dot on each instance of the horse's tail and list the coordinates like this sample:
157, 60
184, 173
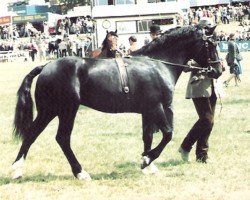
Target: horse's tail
24, 107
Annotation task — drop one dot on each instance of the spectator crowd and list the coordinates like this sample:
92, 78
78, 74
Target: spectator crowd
219, 14
70, 37
73, 36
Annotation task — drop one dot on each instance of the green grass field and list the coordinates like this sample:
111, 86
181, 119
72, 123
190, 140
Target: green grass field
109, 148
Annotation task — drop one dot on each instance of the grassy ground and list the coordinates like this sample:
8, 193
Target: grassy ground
109, 148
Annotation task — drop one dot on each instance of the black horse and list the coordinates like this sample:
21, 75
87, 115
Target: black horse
68, 82
53, 47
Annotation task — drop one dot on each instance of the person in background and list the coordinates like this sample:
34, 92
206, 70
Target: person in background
233, 61
146, 40
80, 44
33, 50
63, 48
204, 92
67, 25
69, 44
155, 31
42, 50
133, 44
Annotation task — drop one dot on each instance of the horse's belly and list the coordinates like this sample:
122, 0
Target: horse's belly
111, 101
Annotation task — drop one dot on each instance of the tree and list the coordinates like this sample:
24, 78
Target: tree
69, 4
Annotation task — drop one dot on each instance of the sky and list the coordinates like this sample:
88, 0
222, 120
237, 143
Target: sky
3, 7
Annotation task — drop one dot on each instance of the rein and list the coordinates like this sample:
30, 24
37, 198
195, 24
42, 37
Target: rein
179, 65
190, 67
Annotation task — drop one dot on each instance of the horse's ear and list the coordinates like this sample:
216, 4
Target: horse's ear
116, 31
210, 31
107, 31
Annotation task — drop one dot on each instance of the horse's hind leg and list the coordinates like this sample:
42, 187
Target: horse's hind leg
37, 126
66, 123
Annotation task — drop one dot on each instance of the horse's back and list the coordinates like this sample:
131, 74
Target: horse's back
103, 89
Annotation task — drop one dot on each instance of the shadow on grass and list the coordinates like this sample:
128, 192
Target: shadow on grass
37, 178
123, 171
237, 101
128, 170
172, 162
131, 170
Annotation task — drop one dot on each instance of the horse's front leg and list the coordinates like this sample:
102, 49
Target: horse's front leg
164, 120
148, 130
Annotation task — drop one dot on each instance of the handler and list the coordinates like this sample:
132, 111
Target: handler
204, 92
155, 32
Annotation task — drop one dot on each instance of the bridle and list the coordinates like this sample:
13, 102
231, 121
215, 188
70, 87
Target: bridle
208, 39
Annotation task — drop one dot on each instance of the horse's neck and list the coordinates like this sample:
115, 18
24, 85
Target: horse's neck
176, 72
167, 58
103, 54
106, 53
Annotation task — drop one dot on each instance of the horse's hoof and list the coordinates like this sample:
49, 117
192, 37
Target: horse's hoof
145, 161
17, 169
17, 174
151, 169
84, 176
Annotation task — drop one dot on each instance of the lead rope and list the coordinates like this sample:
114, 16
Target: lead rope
217, 93
221, 106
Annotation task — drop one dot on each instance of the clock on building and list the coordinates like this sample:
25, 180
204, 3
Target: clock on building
106, 24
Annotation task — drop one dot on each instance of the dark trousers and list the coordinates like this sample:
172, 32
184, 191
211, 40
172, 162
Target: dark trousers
63, 53
201, 130
32, 54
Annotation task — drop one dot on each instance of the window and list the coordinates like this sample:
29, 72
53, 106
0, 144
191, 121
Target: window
143, 26
125, 2
160, 22
126, 27
101, 2
113, 2
156, 1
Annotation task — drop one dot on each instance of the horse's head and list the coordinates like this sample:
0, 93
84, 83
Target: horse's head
207, 54
110, 41
109, 44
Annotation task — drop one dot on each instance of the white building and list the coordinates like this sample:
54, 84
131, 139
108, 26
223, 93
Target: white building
134, 17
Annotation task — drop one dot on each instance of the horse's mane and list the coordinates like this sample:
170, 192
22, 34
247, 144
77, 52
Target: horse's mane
105, 44
169, 39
